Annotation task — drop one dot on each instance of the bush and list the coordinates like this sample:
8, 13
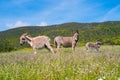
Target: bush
5, 46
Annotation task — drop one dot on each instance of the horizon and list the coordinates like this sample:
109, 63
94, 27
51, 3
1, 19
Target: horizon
57, 24
45, 12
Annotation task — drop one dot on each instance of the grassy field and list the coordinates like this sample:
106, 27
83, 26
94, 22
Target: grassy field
66, 65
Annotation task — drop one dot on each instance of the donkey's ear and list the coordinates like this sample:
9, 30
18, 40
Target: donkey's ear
99, 40
77, 31
26, 34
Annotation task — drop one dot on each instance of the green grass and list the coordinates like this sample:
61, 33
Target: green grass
66, 65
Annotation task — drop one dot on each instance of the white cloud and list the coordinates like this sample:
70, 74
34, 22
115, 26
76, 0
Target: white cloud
112, 14
42, 24
17, 24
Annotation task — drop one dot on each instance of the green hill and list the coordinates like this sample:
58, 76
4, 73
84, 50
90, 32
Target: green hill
108, 32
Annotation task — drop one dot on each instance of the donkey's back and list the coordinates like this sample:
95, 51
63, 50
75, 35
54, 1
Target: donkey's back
41, 39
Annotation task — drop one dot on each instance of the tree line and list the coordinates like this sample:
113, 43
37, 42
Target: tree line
108, 32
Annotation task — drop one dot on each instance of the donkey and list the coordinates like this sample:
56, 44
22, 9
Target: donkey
93, 45
66, 41
36, 42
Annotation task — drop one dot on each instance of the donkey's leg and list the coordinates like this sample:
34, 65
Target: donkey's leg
34, 50
47, 46
58, 47
51, 49
96, 49
87, 48
73, 46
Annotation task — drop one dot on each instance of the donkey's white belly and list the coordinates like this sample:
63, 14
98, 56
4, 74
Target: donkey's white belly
38, 45
67, 44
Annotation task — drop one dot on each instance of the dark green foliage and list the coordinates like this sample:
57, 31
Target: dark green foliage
108, 32
5, 46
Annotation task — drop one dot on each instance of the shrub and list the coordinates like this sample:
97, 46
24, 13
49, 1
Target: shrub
5, 46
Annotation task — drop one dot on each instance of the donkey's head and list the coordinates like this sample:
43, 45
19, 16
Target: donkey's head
76, 36
99, 43
23, 39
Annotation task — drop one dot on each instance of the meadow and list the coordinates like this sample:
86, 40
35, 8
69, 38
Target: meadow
65, 65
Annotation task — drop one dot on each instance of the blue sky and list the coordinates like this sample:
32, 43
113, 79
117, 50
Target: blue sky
17, 13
